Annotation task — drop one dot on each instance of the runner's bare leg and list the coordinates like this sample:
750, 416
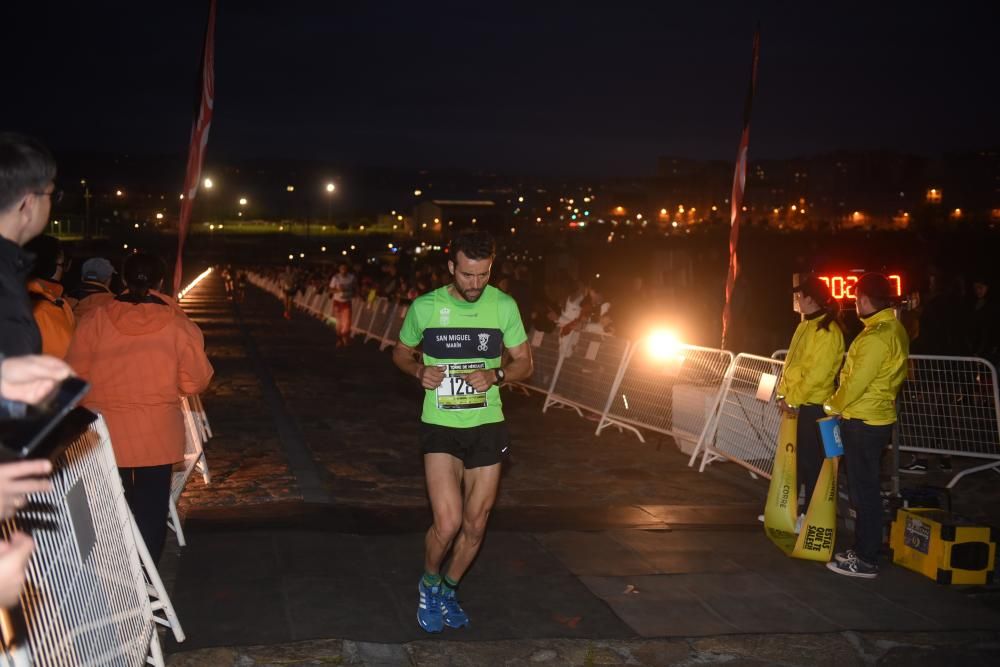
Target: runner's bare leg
481, 485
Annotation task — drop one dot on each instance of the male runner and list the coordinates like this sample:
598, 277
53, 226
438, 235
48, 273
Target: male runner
463, 328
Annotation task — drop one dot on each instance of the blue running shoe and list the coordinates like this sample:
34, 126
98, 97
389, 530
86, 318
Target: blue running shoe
454, 615
429, 608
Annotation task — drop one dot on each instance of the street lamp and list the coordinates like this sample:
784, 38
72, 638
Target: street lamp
330, 189
209, 184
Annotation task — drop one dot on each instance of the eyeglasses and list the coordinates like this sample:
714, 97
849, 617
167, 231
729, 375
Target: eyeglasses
55, 195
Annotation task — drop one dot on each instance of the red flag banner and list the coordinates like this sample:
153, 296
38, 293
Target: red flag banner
736, 198
199, 139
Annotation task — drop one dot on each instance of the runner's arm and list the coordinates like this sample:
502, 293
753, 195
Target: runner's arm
405, 358
521, 365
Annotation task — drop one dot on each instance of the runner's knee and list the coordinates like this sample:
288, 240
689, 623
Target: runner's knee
446, 527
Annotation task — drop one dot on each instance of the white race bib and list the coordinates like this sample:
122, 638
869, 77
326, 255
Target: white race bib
457, 394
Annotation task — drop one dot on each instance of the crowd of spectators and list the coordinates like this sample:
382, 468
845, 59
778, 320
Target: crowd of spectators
135, 347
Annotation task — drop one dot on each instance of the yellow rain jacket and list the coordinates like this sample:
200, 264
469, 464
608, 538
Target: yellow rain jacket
873, 373
814, 357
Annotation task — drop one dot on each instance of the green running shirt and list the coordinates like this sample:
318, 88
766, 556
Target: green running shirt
463, 337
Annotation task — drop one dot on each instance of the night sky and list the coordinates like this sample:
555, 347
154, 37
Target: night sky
545, 87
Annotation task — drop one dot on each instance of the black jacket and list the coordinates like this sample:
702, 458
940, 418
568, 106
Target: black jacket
18, 332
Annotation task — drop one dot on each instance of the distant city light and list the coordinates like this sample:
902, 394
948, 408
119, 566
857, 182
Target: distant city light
243, 201
159, 216
125, 245
302, 254
417, 193
119, 193
136, 226
330, 187
322, 249
291, 257
290, 188
209, 184
520, 200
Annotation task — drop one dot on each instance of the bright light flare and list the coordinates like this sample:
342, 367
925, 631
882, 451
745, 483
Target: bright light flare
663, 345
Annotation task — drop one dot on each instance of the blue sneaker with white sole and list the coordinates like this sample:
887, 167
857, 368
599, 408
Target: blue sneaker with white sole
454, 615
429, 609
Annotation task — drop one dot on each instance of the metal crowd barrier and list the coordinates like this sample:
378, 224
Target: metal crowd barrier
357, 304
545, 355
744, 429
587, 373
380, 319
196, 433
92, 595
675, 394
395, 325
951, 406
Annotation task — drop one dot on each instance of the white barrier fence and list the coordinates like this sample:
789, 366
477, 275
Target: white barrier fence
951, 406
744, 428
92, 594
85, 601
722, 407
674, 393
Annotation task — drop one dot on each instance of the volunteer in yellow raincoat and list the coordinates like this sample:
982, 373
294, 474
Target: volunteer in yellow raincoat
866, 403
814, 357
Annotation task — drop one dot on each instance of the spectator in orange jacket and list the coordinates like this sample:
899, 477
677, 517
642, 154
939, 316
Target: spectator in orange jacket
140, 353
53, 313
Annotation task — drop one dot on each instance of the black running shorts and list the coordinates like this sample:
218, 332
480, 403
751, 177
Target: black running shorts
475, 447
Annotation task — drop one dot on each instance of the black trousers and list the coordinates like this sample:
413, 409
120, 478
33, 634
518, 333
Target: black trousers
809, 454
863, 446
147, 491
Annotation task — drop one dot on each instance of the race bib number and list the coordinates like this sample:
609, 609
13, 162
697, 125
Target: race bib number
457, 394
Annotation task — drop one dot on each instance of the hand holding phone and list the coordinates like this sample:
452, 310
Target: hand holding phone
31, 378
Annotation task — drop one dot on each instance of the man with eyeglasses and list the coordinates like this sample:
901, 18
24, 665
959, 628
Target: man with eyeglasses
27, 192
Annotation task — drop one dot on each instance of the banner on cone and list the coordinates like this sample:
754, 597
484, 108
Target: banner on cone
815, 539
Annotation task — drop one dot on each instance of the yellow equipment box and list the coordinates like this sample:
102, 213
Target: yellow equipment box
943, 547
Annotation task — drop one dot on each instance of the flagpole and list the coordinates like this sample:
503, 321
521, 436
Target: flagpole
736, 197
199, 139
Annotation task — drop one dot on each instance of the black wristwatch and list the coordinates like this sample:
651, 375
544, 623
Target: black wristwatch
501, 376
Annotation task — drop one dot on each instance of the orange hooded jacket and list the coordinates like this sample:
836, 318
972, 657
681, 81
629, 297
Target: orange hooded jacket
140, 359
53, 314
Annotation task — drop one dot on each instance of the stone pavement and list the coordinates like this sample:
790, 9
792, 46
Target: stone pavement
306, 547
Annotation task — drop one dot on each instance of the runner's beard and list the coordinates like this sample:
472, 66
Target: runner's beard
469, 295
